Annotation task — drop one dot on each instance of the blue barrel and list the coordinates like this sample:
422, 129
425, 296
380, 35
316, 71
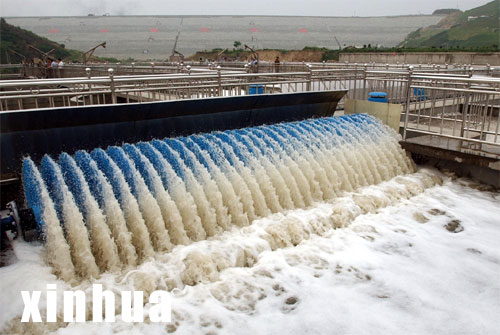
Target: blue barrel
377, 96
419, 93
255, 89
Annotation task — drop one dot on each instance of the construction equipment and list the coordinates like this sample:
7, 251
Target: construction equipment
45, 55
87, 55
254, 59
338, 43
220, 54
17, 54
254, 55
176, 56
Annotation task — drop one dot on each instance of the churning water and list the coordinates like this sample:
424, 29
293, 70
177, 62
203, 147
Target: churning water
117, 208
301, 227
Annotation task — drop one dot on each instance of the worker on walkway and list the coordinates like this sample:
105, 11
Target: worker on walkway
277, 64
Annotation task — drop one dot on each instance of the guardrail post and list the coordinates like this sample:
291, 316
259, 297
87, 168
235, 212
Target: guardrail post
408, 96
488, 69
355, 80
465, 110
471, 71
87, 71
219, 80
112, 86
364, 80
189, 82
309, 77
133, 68
152, 67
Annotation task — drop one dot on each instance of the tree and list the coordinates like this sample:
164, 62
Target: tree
236, 44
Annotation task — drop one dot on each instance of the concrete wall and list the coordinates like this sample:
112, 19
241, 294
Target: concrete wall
492, 58
389, 114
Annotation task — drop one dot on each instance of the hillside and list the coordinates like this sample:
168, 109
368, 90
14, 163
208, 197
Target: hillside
445, 11
474, 28
15, 41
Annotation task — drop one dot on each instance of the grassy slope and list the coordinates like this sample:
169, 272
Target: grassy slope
18, 39
481, 32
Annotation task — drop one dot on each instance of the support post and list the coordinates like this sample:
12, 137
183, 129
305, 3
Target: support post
112, 86
355, 80
219, 80
91, 98
408, 96
189, 82
309, 78
364, 81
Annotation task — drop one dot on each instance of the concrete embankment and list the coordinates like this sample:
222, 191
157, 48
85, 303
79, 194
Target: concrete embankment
492, 58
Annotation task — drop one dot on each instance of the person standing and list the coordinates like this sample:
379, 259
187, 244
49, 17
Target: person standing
277, 64
48, 68
60, 66
255, 65
53, 69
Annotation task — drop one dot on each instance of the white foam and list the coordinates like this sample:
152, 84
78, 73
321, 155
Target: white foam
383, 272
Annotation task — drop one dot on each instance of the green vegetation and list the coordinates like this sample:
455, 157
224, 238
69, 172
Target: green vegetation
476, 29
445, 11
15, 41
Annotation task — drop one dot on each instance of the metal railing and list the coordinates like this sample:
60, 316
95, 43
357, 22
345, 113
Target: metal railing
25, 94
63, 92
459, 105
10, 71
187, 83
458, 112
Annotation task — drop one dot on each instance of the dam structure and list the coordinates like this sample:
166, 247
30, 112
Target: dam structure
153, 37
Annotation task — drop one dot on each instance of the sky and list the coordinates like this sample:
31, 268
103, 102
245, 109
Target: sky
230, 7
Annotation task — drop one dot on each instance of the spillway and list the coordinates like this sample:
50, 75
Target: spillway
114, 208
